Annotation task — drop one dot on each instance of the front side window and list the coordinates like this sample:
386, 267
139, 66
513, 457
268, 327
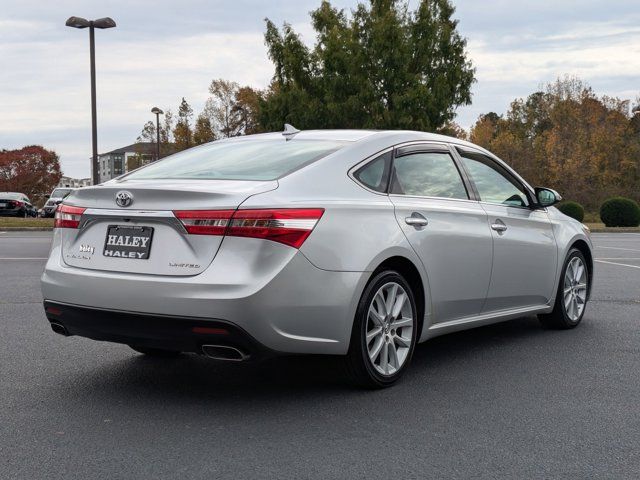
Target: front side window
256, 159
375, 174
432, 174
492, 185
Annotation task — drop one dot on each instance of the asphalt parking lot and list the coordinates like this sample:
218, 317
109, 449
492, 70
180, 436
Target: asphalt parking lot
505, 401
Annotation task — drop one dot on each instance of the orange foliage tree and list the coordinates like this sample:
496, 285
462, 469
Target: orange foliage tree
566, 137
32, 170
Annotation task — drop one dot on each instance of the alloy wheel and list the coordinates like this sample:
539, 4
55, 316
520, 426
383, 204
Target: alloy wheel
389, 330
575, 289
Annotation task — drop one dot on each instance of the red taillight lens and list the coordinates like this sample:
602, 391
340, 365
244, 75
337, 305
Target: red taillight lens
290, 226
68, 216
204, 222
16, 204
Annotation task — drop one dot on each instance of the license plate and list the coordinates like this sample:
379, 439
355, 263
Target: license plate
3, 205
124, 241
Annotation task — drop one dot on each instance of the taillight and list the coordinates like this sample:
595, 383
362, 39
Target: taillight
290, 226
16, 204
204, 222
68, 216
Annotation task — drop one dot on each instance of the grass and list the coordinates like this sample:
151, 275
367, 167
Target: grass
11, 222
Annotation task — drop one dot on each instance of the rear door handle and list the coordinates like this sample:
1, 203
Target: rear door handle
416, 220
498, 226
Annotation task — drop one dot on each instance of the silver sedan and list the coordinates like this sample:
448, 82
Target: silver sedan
353, 243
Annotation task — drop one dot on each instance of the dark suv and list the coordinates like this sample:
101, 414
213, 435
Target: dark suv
56, 197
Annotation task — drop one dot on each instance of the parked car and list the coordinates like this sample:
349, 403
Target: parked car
55, 199
14, 204
353, 243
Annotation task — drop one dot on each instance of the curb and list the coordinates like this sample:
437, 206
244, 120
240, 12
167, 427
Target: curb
26, 229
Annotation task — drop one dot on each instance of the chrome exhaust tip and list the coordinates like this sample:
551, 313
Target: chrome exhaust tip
224, 352
59, 329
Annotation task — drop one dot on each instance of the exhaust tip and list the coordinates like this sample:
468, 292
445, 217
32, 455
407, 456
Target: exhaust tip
224, 352
59, 329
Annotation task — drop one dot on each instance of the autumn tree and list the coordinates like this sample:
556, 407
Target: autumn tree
232, 110
182, 132
380, 67
32, 170
568, 138
203, 132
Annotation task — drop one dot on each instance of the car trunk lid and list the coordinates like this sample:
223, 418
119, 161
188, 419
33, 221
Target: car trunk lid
145, 237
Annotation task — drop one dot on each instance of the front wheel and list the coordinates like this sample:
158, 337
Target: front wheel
571, 298
384, 331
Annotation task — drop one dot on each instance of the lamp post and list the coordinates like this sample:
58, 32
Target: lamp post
157, 112
101, 23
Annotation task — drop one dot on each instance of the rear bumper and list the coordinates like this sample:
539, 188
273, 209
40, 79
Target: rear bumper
184, 334
267, 290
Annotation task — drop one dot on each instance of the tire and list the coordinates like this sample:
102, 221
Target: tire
569, 307
156, 352
397, 333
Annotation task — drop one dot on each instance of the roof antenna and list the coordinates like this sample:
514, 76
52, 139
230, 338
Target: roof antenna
289, 131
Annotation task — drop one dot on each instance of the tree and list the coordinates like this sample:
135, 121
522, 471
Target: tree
203, 132
568, 138
233, 110
382, 67
32, 170
182, 133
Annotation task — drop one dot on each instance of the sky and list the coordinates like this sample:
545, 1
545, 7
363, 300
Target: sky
162, 50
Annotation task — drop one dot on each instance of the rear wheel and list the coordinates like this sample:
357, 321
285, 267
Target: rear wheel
571, 298
384, 332
156, 352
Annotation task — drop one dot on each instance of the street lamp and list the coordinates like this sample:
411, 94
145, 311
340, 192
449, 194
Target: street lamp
158, 112
102, 23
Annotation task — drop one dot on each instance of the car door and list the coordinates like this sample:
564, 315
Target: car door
447, 229
524, 247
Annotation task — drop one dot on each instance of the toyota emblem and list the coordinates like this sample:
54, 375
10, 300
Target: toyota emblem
124, 199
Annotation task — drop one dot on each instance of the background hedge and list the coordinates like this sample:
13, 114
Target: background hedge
572, 209
620, 212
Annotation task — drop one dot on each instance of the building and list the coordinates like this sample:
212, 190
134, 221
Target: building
121, 160
68, 182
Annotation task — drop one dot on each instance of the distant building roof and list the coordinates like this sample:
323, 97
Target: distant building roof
143, 147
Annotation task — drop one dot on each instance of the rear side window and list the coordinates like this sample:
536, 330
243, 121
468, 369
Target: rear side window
375, 174
432, 174
259, 159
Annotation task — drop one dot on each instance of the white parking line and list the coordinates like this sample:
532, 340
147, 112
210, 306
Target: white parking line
621, 264
619, 248
618, 258
23, 258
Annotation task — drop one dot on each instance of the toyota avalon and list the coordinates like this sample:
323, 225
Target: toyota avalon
353, 243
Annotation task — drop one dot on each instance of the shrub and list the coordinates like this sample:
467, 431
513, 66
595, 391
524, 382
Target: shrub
620, 212
572, 209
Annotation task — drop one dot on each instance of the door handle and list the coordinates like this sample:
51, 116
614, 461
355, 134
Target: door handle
416, 220
498, 226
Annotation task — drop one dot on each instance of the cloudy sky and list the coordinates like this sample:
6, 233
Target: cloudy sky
163, 50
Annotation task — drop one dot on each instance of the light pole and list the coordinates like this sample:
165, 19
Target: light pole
102, 23
158, 112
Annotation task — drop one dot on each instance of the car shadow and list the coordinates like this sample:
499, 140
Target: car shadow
194, 378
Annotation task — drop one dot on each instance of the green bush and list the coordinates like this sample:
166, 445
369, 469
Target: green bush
620, 212
572, 209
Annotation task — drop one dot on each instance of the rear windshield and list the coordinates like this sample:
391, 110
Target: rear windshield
260, 159
11, 196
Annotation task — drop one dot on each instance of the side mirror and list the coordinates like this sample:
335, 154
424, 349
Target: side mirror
547, 197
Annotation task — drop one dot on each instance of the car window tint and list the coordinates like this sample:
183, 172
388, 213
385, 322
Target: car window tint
492, 185
375, 174
431, 174
254, 159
